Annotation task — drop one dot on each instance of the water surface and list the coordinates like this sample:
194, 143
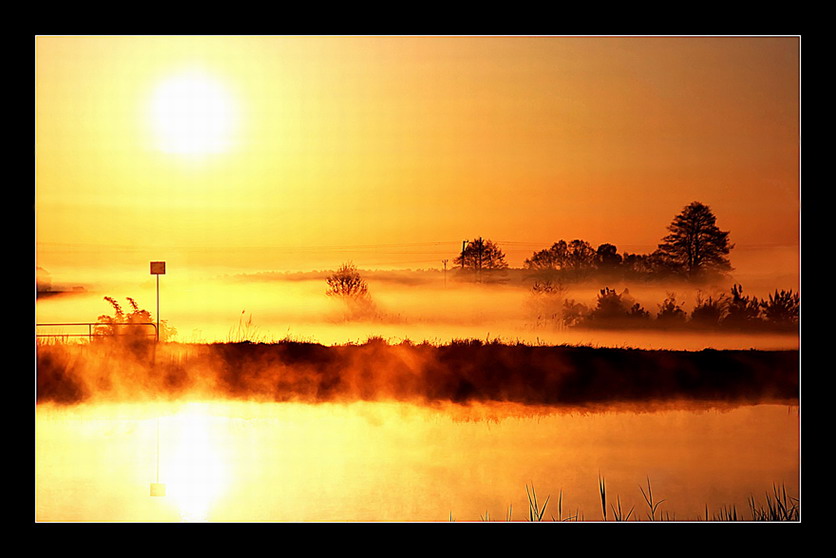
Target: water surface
377, 461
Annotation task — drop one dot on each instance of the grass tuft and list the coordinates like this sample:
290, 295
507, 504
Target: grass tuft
777, 506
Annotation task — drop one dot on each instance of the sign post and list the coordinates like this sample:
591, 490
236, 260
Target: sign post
158, 268
158, 488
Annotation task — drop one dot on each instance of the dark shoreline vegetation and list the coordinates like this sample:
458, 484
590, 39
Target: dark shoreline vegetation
461, 372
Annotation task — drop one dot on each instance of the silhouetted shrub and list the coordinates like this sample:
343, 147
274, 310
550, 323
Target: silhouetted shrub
574, 313
616, 309
670, 312
128, 328
708, 312
741, 311
347, 285
782, 308
547, 302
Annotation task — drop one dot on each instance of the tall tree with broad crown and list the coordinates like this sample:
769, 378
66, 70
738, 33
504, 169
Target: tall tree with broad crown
695, 245
481, 254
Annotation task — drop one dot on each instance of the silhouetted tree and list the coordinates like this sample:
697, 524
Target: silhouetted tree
552, 258
576, 256
581, 255
607, 257
480, 255
636, 264
661, 265
695, 245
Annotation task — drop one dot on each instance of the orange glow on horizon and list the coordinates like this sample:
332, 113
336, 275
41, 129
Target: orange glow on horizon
255, 166
371, 141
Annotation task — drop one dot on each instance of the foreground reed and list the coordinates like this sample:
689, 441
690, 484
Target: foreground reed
778, 505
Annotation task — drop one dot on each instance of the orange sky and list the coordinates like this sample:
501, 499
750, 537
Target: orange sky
308, 151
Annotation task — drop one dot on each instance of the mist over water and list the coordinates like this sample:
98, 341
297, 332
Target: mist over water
462, 372
275, 402
445, 395
415, 306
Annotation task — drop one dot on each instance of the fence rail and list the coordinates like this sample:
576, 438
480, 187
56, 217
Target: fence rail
92, 330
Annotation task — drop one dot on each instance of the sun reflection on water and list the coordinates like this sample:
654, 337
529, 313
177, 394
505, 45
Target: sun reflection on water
192, 461
364, 461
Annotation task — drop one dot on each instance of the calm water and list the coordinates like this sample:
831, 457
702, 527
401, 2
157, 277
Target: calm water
253, 462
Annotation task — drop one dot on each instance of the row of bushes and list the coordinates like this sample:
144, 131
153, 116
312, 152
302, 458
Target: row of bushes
780, 310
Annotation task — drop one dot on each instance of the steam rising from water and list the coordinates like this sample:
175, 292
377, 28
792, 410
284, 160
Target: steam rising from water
382, 403
287, 322
460, 373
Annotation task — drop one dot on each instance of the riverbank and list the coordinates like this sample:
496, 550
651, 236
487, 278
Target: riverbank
459, 372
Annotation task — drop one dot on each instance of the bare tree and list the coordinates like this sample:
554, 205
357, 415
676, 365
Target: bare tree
347, 285
346, 282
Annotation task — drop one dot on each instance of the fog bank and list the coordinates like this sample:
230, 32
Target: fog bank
408, 305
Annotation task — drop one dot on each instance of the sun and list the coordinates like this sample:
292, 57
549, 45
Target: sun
192, 113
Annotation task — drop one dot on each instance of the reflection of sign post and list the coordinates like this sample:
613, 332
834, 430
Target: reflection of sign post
158, 268
158, 488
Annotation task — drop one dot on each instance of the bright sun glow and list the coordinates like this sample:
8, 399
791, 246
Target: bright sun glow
192, 113
194, 469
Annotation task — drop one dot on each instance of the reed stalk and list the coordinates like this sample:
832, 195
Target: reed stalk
602, 491
648, 498
535, 512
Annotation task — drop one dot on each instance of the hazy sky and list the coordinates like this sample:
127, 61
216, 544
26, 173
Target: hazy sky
292, 153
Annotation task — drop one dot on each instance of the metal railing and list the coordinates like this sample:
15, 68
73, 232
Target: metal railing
94, 329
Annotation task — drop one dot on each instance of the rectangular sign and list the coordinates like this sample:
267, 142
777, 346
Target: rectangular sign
157, 268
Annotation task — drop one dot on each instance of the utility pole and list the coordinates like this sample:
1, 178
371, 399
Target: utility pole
444, 262
480, 246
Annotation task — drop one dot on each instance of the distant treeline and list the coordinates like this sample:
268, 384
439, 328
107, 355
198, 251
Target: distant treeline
779, 311
576, 261
694, 248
